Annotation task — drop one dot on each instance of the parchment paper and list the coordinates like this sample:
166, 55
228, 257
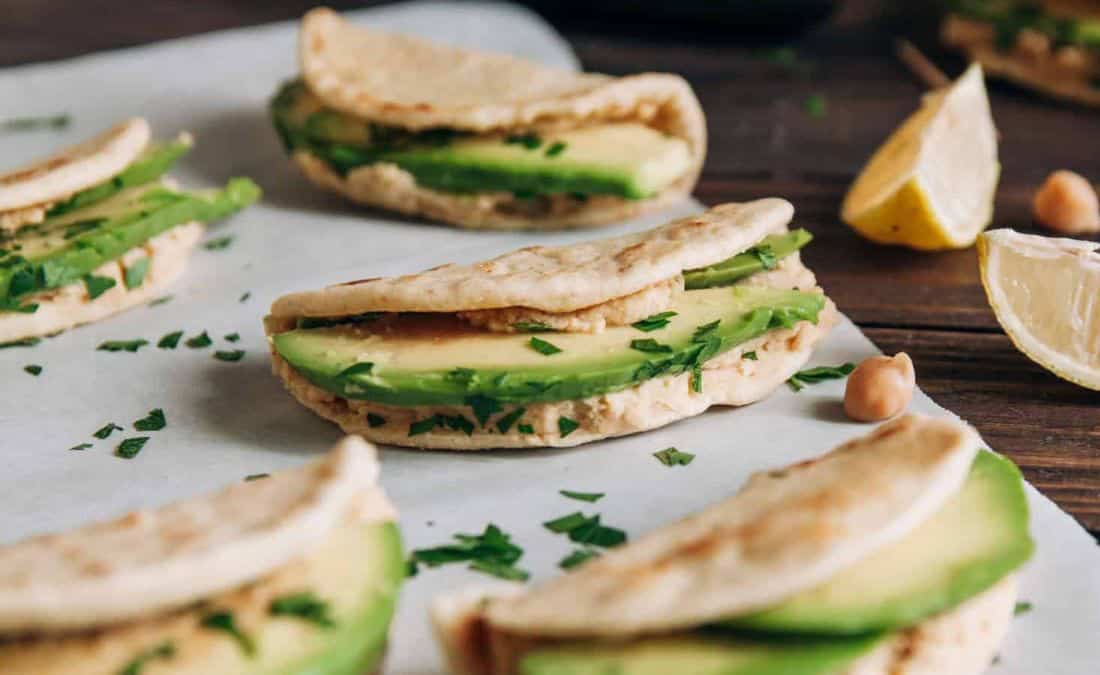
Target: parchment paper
227, 420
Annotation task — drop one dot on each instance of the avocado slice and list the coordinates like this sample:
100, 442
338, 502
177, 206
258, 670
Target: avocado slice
979, 536
437, 359
699, 654
63, 249
764, 256
625, 159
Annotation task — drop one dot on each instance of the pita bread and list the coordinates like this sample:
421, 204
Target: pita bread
1047, 73
728, 380
556, 279
785, 532
963, 641
151, 562
76, 168
415, 84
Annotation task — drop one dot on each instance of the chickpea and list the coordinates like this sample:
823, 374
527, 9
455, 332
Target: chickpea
1067, 203
880, 388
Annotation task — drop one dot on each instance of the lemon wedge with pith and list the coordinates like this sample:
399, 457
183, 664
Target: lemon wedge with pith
1045, 292
931, 185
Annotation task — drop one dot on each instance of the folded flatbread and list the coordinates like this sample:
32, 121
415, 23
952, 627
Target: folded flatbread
480, 140
818, 548
98, 228
557, 346
103, 597
1051, 46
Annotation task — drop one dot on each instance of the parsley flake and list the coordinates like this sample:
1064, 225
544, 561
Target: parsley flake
531, 141
122, 345
164, 651
230, 356
232, 337
588, 530
171, 340
135, 274
673, 457
655, 322
696, 380
106, 430
749, 356
305, 606
1022, 607
256, 476
97, 286
577, 557
483, 406
35, 123
567, 426
223, 621
423, 426
650, 346
161, 300
130, 447
219, 244
81, 446
199, 341
361, 368
245, 296
154, 421
543, 347
375, 420
506, 421
816, 106
589, 497
25, 342
556, 148
491, 552
799, 380
33, 369
531, 327
525, 428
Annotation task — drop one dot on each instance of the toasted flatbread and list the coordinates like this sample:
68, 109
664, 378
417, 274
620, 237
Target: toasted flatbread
415, 84
75, 168
556, 279
151, 562
69, 306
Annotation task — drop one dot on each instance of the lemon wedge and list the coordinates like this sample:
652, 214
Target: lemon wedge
1045, 292
931, 185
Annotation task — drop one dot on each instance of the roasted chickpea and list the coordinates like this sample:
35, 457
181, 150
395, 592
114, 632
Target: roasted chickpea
880, 388
1067, 203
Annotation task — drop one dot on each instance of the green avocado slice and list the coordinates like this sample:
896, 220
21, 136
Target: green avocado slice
977, 538
764, 256
624, 159
64, 249
151, 165
437, 359
699, 654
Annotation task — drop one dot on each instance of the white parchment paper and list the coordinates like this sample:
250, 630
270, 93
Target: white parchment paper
228, 420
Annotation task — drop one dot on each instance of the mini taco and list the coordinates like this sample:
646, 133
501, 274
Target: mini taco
479, 140
297, 572
558, 346
98, 228
1051, 46
897, 553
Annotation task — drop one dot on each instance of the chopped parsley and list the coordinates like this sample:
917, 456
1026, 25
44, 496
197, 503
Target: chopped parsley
361, 368
219, 244
230, 356
673, 457
245, 296
556, 148
154, 421
696, 380
305, 606
423, 426
567, 426
135, 274
97, 286
232, 337
531, 327
703, 332
506, 421
81, 446
161, 300
749, 356
256, 476
802, 378
1022, 607
543, 347
531, 141
491, 552
525, 428
106, 430
33, 369
655, 322
483, 406
223, 621
589, 497
816, 106
130, 447
171, 340
588, 530
164, 651
199, 341
650, 346
766, 255
34, 123
577, 557
122, 345
375, 420
25, 342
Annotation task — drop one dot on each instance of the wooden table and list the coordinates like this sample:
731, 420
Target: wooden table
764, 142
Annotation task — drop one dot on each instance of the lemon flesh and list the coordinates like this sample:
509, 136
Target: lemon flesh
931, 185
1045, 292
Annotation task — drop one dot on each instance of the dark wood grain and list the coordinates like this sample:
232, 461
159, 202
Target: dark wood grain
763, 142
